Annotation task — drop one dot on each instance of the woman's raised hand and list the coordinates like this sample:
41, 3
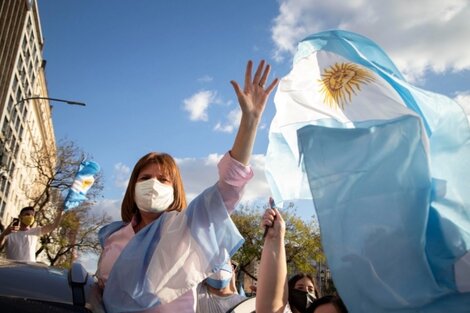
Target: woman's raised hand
252, 100
253, 97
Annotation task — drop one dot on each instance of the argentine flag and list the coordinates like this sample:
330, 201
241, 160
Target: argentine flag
84, 179
386, 165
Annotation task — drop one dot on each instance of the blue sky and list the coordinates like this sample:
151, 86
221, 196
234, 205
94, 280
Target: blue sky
155, 74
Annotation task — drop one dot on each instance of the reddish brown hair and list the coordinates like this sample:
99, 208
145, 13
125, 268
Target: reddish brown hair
169, 167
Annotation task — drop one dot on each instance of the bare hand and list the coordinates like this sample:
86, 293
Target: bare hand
253, 97
275, 223
12, 229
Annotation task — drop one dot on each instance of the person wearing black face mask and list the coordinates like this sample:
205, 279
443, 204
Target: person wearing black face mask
302, 292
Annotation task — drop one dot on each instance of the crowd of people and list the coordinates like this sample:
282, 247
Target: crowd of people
170, 256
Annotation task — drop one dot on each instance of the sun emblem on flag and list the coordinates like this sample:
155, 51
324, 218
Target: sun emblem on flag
340, 81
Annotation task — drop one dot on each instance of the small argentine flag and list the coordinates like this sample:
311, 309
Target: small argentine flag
83, 181
387, 167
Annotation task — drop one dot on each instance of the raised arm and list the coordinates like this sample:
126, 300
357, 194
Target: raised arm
50, 227
233, 171
252, 100
271, 294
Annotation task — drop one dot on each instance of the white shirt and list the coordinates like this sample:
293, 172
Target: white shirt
21, 245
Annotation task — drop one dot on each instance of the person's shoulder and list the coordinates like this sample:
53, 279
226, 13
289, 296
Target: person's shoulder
246, 305
108, 230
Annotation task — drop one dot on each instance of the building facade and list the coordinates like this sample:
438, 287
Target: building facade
26, 128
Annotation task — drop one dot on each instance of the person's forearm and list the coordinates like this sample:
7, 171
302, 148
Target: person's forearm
271, 294
48, 228
245, 139
2, 238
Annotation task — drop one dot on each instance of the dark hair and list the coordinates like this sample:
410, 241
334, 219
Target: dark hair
333, 299
168, 164
27, 208
299, 276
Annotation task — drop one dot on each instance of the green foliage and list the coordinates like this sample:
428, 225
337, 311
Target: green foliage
303, 245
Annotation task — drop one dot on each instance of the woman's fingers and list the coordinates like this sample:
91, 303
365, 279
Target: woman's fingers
249, 69
257, 79
268, 217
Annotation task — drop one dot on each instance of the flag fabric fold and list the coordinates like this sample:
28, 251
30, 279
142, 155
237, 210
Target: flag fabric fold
386, 165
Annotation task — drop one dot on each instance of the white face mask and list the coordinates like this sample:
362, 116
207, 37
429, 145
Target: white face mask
153, 196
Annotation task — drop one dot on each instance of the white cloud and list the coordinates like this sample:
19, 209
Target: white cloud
418, 35
121, 175
111, 207
205, 79
200, 173
463, 99
258, 187
231, 123
198, 104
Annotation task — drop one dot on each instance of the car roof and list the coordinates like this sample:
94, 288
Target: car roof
36, 281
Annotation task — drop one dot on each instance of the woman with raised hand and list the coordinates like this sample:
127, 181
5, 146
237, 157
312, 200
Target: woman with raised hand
153, 260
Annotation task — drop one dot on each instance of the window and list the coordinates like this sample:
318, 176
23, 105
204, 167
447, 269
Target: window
15, 83
25, 110
27, 56
7, 188
31, 39
19, 95
19, 65
10, 104
17, 121
13, 115
3, 183
16, 149
2, 207
24, 44
29, 26
30, 68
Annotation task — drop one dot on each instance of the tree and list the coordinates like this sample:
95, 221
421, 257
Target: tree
303, 245
55, 170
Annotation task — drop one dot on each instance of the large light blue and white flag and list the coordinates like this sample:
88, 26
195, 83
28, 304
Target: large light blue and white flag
386, 165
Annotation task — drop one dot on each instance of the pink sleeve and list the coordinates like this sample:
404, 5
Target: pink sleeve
112, 249
233, 177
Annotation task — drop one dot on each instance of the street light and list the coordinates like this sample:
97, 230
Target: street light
51, 99
3, 170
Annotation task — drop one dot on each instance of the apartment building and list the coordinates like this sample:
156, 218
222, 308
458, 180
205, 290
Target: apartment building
25, 121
